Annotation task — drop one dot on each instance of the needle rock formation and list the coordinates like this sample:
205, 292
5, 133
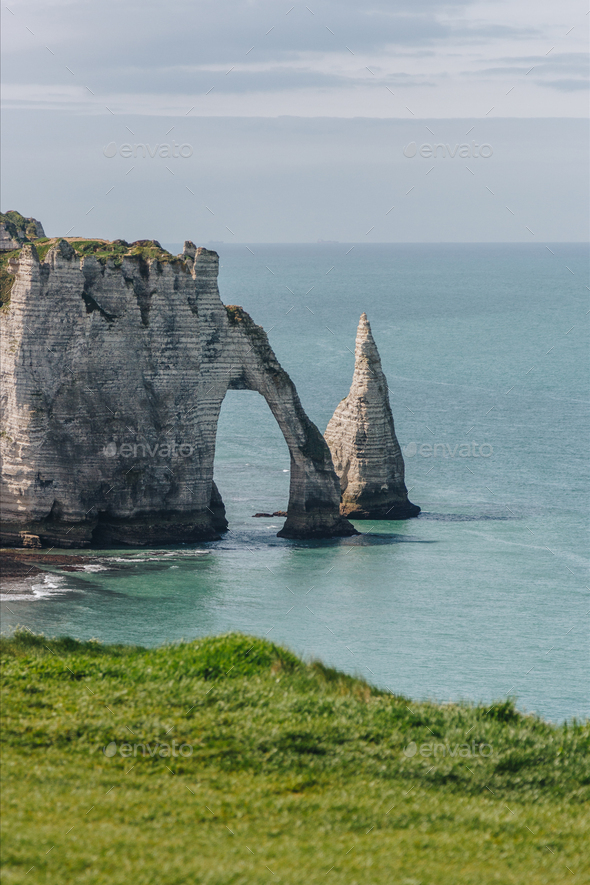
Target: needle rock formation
361, 436
115, 362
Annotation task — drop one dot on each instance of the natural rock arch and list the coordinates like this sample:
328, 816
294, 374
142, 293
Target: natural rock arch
314, 490
114, 373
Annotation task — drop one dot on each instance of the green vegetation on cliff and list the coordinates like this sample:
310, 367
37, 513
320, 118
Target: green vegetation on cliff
6, 277
17, 224
279, 771
102, 250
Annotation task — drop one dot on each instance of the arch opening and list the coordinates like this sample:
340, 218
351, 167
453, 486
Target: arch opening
252, 463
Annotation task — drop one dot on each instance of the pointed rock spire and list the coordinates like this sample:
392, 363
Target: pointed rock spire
361, 436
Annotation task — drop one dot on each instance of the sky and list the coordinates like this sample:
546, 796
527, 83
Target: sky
280, 122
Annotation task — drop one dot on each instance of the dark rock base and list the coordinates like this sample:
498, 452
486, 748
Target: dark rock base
154, 532
308, 527
405, 510
145, 530
148, 530
46, 533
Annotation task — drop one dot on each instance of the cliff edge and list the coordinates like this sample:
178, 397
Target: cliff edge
115, 362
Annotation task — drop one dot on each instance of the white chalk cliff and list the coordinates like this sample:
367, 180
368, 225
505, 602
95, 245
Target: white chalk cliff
113, 376
361, 436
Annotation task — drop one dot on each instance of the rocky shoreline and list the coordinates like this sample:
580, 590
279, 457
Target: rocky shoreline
15, 563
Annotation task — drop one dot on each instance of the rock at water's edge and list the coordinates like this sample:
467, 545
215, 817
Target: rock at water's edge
361, 436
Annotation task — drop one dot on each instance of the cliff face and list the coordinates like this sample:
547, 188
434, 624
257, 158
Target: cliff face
113, 375
361, 436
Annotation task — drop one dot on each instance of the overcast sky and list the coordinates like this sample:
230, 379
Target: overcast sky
80, 76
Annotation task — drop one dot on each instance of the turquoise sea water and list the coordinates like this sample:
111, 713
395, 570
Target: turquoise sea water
485, 348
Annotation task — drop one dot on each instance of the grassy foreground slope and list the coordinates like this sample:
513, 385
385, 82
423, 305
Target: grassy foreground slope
284, 772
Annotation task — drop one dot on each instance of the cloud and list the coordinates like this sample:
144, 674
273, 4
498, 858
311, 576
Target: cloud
109, 43
133, 53
571, 61
568, 85
542, 71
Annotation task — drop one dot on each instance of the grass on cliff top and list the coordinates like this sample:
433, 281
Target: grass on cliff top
102, 250
285, 772
16, 222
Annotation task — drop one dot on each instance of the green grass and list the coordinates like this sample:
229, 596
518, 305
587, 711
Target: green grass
102, 250
14, 222
296, 774
43, 246
6, 278
105, 250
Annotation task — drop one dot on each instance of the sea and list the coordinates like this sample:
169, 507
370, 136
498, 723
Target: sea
485, 595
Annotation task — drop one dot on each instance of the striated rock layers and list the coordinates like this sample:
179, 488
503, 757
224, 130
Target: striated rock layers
114, 369
362, 440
